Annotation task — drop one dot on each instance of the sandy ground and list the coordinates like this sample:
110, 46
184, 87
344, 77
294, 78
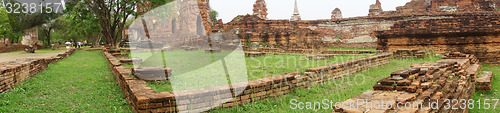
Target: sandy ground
6, 57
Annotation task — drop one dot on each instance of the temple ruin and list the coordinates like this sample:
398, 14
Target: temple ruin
336, 14
260, 9
375, 9
369, 31
465, 31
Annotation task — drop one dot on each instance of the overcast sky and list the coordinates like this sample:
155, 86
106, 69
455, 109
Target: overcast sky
309, 9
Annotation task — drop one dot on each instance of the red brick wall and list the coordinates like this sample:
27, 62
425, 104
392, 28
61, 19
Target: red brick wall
13, 47
466, 32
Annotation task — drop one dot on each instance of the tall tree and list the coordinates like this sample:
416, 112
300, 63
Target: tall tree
48, 28
83, 22
112, 16
23, 21
5, 27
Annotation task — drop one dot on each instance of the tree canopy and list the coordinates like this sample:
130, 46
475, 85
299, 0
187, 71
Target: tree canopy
5, 27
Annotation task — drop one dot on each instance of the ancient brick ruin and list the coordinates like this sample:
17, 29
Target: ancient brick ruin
448, 5
336, 14
143, 99
426, 87
375, 9
357, 31
483, 82
30, 37
260, 9
165, 28
4, 42
472, 33
16, 72
438, 26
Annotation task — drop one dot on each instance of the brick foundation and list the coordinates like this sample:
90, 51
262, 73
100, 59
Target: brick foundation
471, 33
15, 72
143, 99
313, 51
13, 47
421, 83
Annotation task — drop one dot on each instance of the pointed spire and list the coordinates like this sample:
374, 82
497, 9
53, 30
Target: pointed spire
296, 14
296, 9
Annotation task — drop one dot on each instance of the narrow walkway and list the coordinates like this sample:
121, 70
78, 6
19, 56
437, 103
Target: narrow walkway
82, 82
12, 56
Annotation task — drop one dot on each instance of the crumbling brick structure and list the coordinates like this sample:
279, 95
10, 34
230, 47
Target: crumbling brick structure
143, 99
375, 9
484, 80
16, 72
336, 14
4, 42
472, 33
30, 37
13, 47
416, 6
426, 87
260, 9
274, 33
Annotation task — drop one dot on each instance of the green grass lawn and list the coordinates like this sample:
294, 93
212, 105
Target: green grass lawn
270, 65
493, 94
256, 67
349, 48
337, 90
82, 82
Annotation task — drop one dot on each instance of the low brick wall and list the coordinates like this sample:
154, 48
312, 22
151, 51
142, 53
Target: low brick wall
13, 47
426, 87
350, 52
350, 45
484, 81
312, 51
15, 72
143, 99
409, 53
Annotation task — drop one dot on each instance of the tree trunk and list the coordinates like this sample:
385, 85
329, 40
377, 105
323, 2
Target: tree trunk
48, 39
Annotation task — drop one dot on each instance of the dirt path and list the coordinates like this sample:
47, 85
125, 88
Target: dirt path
13, 56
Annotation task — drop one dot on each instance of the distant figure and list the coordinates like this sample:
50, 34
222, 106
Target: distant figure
79, 44
74, 44
84, 43
68, 45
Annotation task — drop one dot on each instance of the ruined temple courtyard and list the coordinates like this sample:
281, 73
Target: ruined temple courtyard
421, 56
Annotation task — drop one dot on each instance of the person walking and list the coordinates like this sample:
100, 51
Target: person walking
79, 44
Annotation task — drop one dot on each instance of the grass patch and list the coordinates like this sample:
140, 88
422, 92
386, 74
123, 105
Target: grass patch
493, 94
82, 82
270, 65
350, 48
337, 90
257, 67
